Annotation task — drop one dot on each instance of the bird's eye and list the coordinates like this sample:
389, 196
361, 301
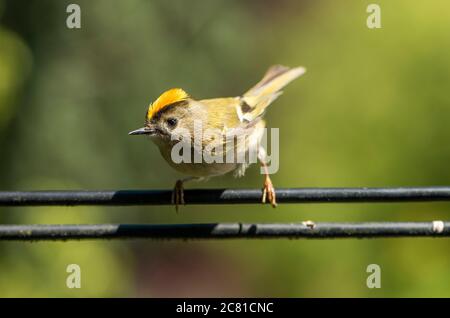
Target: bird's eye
171, 122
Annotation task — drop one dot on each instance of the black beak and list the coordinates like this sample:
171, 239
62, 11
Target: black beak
142, 131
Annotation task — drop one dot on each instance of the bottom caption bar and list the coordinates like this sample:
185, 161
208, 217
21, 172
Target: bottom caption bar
207, 307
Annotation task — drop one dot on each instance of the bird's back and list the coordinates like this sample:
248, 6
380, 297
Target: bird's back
222, 112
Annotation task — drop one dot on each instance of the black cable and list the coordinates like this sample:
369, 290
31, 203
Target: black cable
223, 196
224, 231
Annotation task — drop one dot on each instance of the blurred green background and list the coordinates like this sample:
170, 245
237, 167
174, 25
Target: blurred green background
372, 110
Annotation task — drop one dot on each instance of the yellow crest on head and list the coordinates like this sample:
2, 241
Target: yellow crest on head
167, 98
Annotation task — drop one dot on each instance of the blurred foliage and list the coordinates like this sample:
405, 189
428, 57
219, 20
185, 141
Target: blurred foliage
373, 110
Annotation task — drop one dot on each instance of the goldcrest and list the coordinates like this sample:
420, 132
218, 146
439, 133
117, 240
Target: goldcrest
229, 128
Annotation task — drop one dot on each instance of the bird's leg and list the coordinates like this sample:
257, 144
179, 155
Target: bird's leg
178, 192
268, 189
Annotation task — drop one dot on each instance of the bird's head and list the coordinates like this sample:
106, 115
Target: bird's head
167, 114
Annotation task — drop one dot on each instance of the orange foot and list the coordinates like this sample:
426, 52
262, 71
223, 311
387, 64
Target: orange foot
178, 194
269, 192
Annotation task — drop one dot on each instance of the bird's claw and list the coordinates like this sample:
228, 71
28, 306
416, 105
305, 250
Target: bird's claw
269, 192
178, 194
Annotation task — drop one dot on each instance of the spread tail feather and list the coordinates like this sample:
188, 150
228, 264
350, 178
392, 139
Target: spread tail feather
268, 89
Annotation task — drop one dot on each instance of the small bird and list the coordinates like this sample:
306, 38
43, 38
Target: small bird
173, 116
